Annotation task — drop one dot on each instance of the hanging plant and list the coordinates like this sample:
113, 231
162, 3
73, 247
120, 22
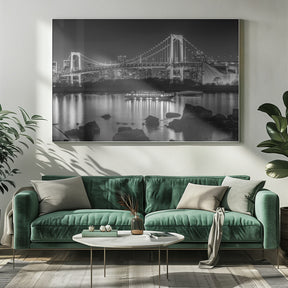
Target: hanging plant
13, 139
278, 142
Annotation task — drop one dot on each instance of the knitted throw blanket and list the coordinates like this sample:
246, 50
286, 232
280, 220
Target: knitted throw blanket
214, 240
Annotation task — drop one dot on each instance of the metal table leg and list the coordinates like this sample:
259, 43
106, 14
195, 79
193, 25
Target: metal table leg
13, 251
104, 262
167, 263
91, 265
159, 258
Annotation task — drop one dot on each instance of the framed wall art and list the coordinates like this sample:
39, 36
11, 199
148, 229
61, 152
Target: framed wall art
145, 80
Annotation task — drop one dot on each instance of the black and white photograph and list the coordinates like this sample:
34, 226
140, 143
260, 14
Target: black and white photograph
145, 80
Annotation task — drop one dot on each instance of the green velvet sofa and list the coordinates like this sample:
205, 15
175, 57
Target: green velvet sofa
157, 198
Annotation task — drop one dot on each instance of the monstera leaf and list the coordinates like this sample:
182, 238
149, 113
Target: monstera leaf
278, 142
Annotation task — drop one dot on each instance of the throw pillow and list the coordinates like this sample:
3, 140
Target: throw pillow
63, 194
241, 194
202, 197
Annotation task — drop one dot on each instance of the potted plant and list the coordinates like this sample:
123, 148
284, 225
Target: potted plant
13, 136
278, 144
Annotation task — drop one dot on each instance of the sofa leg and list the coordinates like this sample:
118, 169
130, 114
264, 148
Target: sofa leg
263, 254
278, 256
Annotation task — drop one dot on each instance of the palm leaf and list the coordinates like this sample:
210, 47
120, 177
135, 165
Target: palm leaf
12, 134
29, 138
31, 128
25, 116
37, 117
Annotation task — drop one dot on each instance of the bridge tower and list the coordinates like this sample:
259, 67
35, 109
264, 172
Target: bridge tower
75, 61
75, 65
176, 59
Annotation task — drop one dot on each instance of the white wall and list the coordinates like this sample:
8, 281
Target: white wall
25, 71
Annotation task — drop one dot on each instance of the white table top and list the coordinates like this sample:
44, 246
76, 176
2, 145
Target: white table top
126, 240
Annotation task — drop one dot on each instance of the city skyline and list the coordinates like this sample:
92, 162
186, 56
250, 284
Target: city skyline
105, 40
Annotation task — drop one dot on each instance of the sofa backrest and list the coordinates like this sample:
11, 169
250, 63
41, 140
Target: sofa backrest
153, 193
164, 192
102, 190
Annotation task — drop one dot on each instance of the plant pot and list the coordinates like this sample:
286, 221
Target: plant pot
137, 226
284, 228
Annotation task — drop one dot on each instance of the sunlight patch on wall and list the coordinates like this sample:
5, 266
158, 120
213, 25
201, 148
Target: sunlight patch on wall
43, 83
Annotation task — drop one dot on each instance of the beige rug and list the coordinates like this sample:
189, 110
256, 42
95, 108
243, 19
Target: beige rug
137, 269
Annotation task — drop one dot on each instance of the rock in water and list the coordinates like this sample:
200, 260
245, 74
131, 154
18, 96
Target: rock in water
219, 120
106, 116
89, 130
84, 133
176, 125
191, 111
172, 115
122, 129
130, 135
152, 122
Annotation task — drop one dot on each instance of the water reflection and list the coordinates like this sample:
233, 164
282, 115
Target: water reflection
72, 111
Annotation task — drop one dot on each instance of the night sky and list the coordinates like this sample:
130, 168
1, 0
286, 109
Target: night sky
104, 40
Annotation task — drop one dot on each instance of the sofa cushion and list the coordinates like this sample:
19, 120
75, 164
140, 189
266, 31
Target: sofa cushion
62, 194
60, 226
102, 190
164, 192
204, 197
195, 225
240, 197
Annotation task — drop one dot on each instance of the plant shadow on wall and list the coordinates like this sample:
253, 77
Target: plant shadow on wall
54, 159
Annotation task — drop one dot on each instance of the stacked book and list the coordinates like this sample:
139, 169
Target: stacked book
98, 233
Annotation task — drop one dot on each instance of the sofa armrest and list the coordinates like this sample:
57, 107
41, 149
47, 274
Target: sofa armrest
25, 210
267, 212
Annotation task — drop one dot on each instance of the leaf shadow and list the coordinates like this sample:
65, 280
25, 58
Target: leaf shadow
66, 160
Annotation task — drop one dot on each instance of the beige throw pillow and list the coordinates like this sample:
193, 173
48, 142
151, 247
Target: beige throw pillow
63, 194
201, 197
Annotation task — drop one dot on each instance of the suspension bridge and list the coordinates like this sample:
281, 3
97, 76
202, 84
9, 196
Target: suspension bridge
174, 58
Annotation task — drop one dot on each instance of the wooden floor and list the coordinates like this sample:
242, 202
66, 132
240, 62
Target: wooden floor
121, 263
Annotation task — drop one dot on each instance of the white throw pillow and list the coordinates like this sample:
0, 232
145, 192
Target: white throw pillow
240, 197
202, 197
63, 194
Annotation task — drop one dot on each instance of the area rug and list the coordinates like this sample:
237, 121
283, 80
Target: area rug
135, 270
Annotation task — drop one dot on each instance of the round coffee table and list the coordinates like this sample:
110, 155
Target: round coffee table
126, 240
